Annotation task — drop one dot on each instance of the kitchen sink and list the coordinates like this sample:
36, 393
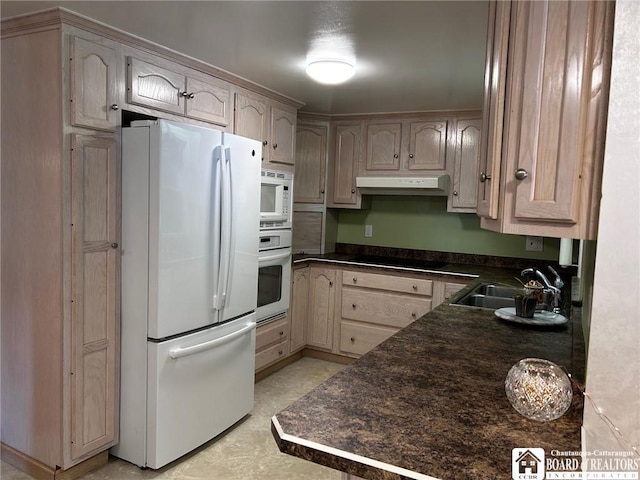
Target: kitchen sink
488, 295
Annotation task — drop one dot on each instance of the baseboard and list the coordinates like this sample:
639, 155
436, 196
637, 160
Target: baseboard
328, 356
262, 374
40, 471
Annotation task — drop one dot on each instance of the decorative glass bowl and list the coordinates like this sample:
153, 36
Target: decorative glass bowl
538, 389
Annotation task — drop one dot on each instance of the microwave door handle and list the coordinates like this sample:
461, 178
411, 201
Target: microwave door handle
216, 187
226, 229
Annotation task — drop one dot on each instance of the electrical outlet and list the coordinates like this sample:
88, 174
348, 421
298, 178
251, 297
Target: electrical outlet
368, 230
534, 244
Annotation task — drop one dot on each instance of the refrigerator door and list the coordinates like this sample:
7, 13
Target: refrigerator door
241, 224
198, 386
182, 241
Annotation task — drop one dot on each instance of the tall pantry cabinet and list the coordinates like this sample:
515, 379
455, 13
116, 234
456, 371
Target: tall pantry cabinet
60, 246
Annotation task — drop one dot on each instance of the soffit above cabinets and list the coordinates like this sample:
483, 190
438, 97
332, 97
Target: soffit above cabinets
411, 56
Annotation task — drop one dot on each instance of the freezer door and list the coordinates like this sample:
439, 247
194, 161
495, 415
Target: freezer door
244, 158
182, 258
199, 385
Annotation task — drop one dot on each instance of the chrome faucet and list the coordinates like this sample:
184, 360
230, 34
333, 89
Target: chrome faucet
548, 287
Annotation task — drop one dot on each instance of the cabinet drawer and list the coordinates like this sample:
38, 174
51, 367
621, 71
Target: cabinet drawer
272, 354
271, 333
416, 286
382, 308
358, 339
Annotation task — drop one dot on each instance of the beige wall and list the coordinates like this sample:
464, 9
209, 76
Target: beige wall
613, 365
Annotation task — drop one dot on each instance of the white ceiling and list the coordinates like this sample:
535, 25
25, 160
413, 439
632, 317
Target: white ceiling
411, 56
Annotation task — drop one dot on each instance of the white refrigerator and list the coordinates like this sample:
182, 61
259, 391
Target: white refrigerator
190, 230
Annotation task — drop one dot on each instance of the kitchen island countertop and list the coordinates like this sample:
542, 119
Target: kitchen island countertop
429, 402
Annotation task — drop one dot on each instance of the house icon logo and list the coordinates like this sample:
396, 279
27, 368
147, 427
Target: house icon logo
527, 464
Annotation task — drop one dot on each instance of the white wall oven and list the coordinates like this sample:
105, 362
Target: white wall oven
274, 274
276, 197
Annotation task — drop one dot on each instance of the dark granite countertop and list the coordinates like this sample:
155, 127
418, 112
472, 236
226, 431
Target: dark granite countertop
430, 402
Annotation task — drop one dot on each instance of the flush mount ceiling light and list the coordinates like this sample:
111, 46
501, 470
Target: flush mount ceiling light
330, 72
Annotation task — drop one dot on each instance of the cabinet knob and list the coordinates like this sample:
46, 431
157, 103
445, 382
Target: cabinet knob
355, 279
264, 143
413, 314
275, 145
352, 339
353, 190
521, 174
191, 95
114, 245
183, 94
411, 155
415, 287
281, 333
353, 305
395, 155
455, 193
484, 177
331, 284
280, 352
114, 107
322, 191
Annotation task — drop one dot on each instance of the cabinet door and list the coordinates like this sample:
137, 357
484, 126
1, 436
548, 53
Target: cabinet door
283, 136
95, 283
155, 87
251, 120
307, 232
427, 145
321, 307
93, 84
463, 197
311, 158
208, 100
551, 82
383, 146
299, 308
493, 109
345, 164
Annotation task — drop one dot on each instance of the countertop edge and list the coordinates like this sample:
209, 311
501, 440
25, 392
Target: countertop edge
327, 456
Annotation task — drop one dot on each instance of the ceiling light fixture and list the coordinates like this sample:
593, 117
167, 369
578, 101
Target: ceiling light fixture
330, 71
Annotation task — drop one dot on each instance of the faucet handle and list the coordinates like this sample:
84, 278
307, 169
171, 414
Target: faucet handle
558, 283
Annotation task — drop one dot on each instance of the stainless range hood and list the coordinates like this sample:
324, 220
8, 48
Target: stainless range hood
427, 185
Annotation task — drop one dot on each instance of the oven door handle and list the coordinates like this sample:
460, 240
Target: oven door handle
278, 256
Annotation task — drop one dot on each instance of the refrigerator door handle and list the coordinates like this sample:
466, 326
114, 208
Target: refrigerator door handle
226, 229
201, 347
216, 201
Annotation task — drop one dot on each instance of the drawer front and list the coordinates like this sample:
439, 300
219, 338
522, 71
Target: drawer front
382, 308
450, 288
417, 286
358, 339
273, 332
272, 354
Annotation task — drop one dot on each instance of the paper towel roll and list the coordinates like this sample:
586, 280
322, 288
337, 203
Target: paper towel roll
566, 252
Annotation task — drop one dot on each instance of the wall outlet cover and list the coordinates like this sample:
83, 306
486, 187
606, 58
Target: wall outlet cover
534, 244
368, 230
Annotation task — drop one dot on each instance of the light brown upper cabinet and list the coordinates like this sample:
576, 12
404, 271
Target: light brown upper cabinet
272, 124
168, 87
345, 164
407, 147
311, 159
555, 89
466, 156
94, 80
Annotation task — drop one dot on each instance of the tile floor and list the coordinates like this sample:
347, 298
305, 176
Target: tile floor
246, 452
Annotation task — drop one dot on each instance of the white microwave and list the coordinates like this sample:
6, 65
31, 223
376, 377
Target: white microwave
276, 199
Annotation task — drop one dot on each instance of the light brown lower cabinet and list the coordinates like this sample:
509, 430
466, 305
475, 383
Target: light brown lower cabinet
272, 343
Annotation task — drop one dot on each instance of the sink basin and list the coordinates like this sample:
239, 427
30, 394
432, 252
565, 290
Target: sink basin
485, 301
488, 295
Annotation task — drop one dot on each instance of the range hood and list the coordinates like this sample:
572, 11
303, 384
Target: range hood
428, 185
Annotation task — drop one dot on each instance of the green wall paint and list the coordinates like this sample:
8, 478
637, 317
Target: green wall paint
423, 223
